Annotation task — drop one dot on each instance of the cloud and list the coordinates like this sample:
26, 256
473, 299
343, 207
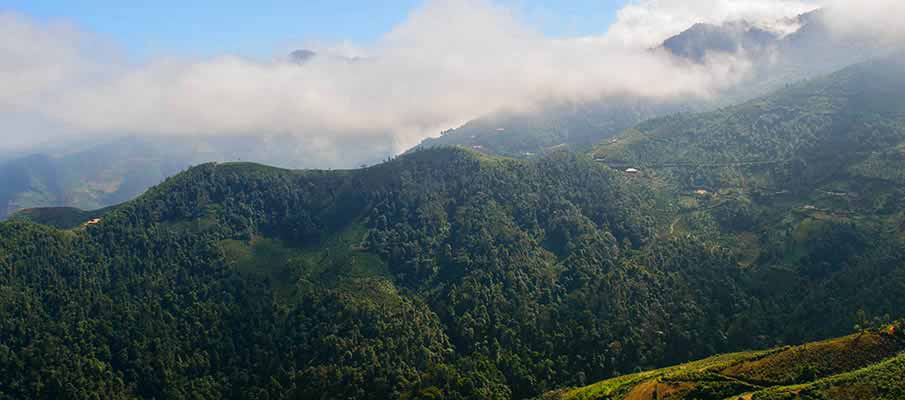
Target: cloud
868, 20
648, 23
450, 61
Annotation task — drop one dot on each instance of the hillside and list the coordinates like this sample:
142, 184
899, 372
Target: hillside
809, 129
575, 126
443, 273
867, 365
368, 283
801, 183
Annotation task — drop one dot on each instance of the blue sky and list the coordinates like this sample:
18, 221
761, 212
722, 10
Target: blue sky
260, 28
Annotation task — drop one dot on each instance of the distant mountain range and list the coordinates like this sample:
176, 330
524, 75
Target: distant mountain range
93, 176
96, 177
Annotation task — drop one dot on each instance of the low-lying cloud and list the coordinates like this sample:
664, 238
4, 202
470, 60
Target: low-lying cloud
450, 61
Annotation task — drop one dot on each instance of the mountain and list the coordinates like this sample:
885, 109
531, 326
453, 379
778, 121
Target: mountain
302, 56
780, 54
91, 178
105, 173
575, 126
817, 131
701, 40
867, 365
29, 179
447, 273
277, 259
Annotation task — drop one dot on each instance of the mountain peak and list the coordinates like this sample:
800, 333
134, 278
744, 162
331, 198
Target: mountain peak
702, 39
302, 56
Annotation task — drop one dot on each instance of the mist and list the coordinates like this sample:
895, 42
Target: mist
449, 62
869, 20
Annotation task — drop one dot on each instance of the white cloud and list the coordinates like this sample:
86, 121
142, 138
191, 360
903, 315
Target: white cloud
450, 61
867, 19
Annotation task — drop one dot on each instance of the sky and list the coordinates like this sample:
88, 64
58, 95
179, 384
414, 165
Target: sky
263, 28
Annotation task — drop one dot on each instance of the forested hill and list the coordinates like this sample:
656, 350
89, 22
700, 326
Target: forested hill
441, 274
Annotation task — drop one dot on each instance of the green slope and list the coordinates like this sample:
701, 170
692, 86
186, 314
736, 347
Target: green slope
802, 184
867, 365
808, 133
346, 275
443, 273
576, 126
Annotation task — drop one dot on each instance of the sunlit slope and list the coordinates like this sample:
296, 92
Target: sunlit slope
867, 365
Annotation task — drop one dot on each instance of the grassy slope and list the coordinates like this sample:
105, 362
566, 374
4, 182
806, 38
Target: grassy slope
861, 366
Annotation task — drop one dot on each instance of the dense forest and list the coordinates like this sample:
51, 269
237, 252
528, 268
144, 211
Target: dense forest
449, 274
